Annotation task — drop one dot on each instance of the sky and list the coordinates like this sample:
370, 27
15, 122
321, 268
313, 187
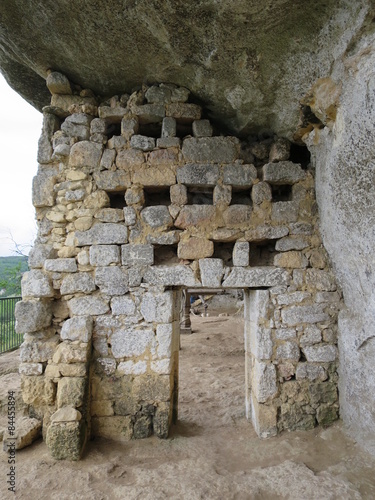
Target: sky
20, 127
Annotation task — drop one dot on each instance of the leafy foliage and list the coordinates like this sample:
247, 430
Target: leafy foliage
11, 270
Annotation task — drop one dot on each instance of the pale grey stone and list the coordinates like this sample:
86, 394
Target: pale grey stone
135, 195
212, 271
104, 255
98, 126
238, 175
292, 243
108, 158
256, 277
42, 190
61, 151
283, 172
321, 280
168, 142
304, 314
79, 328
168, 128
39, 253
241, 253
135, 255
311, 372
142, 142
164, 336
35, 283
286, 334
264, 381
329, 297
57, 83
112, 280
211, 149
103, 234
88, 306
112, 114
32, 315
261, 344
130, 216
109, 180
129, 343
288, 350
77, 282
68, 265
287, 299
237, 215
202, 128
178, 194
66, 414
108, 365
261, 192
193, 174
284, 211
85, 154
222, 195
129, 127
266, 232
165, 238
157, 216
117, 142
311, 335
132, 368
156, 94
301, 228
38, 351
320, 353
157, 307
123, 305
77, 125
280, 150
110, 215
149, 113
177, 275
135, 276
30, 369
193, 215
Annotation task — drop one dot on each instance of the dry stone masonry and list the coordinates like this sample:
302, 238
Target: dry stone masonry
138, 197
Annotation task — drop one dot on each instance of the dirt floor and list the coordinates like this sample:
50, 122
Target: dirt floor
213, 452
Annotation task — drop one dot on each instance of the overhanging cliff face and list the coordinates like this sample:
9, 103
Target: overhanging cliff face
250, 64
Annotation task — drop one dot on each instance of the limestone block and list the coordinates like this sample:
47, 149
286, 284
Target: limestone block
163, 157
321, 280
193, 174
61, 265
63, 103
149, 113
71, 391
237, 215
165, 238
168, 142
301, 228
283, 172
98, 126
101, 408
329, 297
132, 368
256, 277
96, 200
66, 440
178, 194
195, 248
258, 305
323, 392
108, 180
35, 283
103, 234
264, 384
58, 83
137, 255
152, 388
77, 125
285, 211
177, 275
79, 328
156, 94
118, 428
66, 414
38, 351
161, 366
157, 216
157, 307
135, 195
42, 190
39, 253
311, 335
128, 343
142, 142
291, 259
108, 159
261, 192
123, 305
326, 415
168, 128
260, 341
154, 175
112, 114
184, 113
164, 336
44, 154
195, 215
241, 253
130, 216
27, 430
324, 353
211, 271
77, 282
288, 350
292, 243
211, 149
85, 154
61, 151
38, 391
107, 365
266, 232
238, 175
295, 315
92, 306
264, 418
30, 368
110, 215
68, 352
129, 127
285, 333
66, 370
112, 280
104, 255
202, 128
222, 195
280, 150
32, 315
311, 372
286, 299
127, 158
226, 235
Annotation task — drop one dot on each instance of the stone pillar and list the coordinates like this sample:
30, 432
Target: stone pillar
185, 322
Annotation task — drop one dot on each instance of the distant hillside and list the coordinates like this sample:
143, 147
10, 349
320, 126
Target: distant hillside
11, 270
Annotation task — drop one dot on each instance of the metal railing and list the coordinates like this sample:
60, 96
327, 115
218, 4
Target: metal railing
9, 339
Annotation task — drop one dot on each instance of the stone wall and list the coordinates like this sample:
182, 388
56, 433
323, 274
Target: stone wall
136, 198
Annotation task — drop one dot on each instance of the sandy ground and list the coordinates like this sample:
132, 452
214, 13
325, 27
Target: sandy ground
213, 452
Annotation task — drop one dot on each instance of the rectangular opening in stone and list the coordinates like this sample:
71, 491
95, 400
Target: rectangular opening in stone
241, 197
183, 129
282, 193
200, 195
113, 129
165, 254
150, 129
158, 195
224, 251
262, 254
117, 199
